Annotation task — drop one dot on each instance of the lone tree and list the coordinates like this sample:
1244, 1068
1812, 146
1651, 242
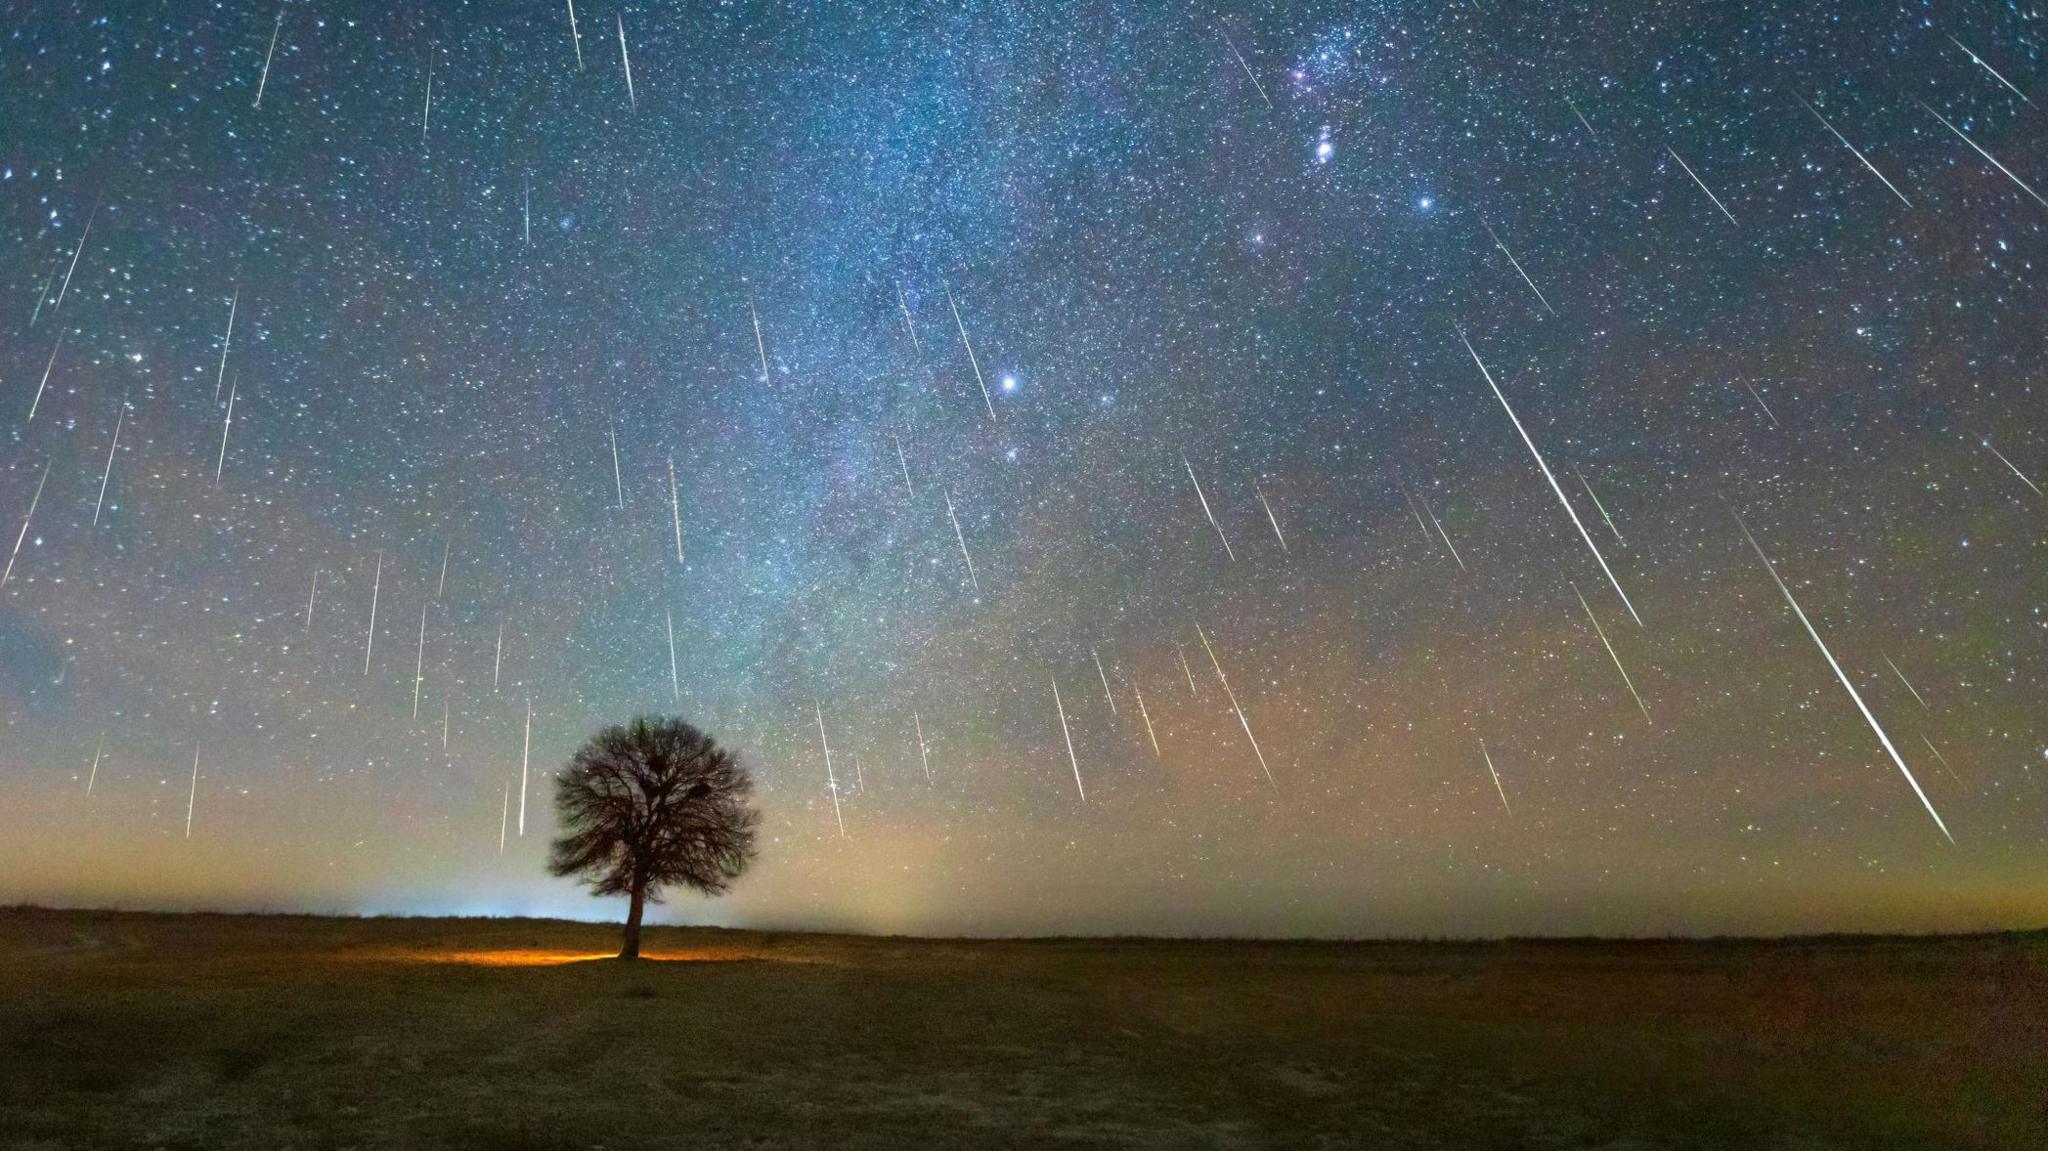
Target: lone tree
652, 804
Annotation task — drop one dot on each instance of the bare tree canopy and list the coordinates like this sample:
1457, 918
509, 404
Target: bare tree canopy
653, 804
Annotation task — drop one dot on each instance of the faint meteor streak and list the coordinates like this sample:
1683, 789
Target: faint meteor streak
962, 541
675, 507
1408, 498
370, 637
1582, 118
225, 342
441, 585
1554, 486
1760, 403
1496, 778
1702, 183
1235, 706
1904, 680
1149, 733
1106, 694
192, 796
419, 664
525, 758
2009, 464
1600, 507
1518, 268
312, 592
47, 369
226, 422
504, 814
1256, 86
618, 478
760, 345
1844, 678
498, 660
83, 236
1941, 759
1602, 633
904, 464
23, 534
903, 305
427, 109
831, 780
95, 773
924, 754
575, 37
971, 360
526, 209
675, 688
1440, 531
1270, 517
265, 78
1205, 506
1980, 62
1855, 151
1187, 671
627, 61
2024, 186
1069, 735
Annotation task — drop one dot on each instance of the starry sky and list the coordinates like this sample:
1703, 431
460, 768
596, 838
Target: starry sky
938, 315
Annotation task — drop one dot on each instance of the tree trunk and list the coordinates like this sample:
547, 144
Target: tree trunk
631, 950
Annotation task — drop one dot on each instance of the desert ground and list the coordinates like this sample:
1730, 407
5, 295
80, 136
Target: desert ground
208, 1031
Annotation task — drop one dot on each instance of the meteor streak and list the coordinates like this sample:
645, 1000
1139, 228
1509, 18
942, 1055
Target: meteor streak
23, 534
1602, 508
675, 507
924, 754
504, 813
1602, 633
47, 368
312, 592
904, 306
1260, 88
904, 464
674, 687
962, 541
1149, 733
1234, 705
498, 660
1440, 531
1270, 517
265, 78
1702, 183
419, 664
1904, 680
1856, 152
1979, 62
192, 796
831, 780
626, 60
760, 345
1844, 677
2015, 470
83, 235
1554, 486
1093, 654
575, 37
1518, 268
618, 478
525, 758
2024, 186
1205, 506
1186, 671
1941, 759
95, 773
225, 342
1069, 738
1496, 778
1760, 403
1582, 118
370, 637
441, 585
975, 363
226, 422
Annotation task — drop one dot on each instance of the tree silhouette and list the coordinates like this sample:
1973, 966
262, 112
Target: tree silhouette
649, 805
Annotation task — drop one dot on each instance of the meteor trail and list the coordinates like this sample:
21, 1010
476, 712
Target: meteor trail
1093, 654
192, 796
498, 660
1760, 403
1270, 517
225, 341
962, 540
1904, 680
312, 591
419, 664
760, 345
924, 754
1554, 486
626, 60
95, 773
675, 688
265, 79
1702, 183
47, 368
618, 478
1941, 759
1149, 733
1856, 152
1602, 633
1582, 118
225, 423
975, 363
1234, 705
2024, 186
1069, 738
370, 637
1409, 499
504, 813
1844, 677
1979, 62
525, 758
427, 109
1440, 531
441, 585
1496, 778
1186, 671
23, 534
526, 210
83, 236
1518, 268
675, 507
904, 306
2015, 470
1205, 506
1604, 517
575, 37
1260, 88
904, 464
831, 780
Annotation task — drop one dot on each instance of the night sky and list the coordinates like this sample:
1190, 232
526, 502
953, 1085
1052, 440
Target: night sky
1241, 249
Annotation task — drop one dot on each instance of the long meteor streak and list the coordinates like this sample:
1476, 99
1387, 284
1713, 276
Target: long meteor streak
1106, 693
1855, 151
1602, 633
1904, 680
47, 369
226, 422
1554, 485
2024, 186
95, 773
675, 687
192, 796
1980, 62
675, 507
972, 580
1702, 183
23, 534
626, 60
370, 637
1260, 88
924, 754
1844, 677
83, 236
975, 363
1598, 506
1205, 506
831, 780
1518, 268
1149, 733
1234, 705
1071, 758
225, 341
419, 663
1496, 778
525, 758
760, 345
1270, 517
2015, 469
265, 78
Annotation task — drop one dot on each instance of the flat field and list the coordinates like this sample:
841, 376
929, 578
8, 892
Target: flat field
211, 1031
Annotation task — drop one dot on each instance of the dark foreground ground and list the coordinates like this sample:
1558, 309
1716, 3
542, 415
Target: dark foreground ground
270, 1032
